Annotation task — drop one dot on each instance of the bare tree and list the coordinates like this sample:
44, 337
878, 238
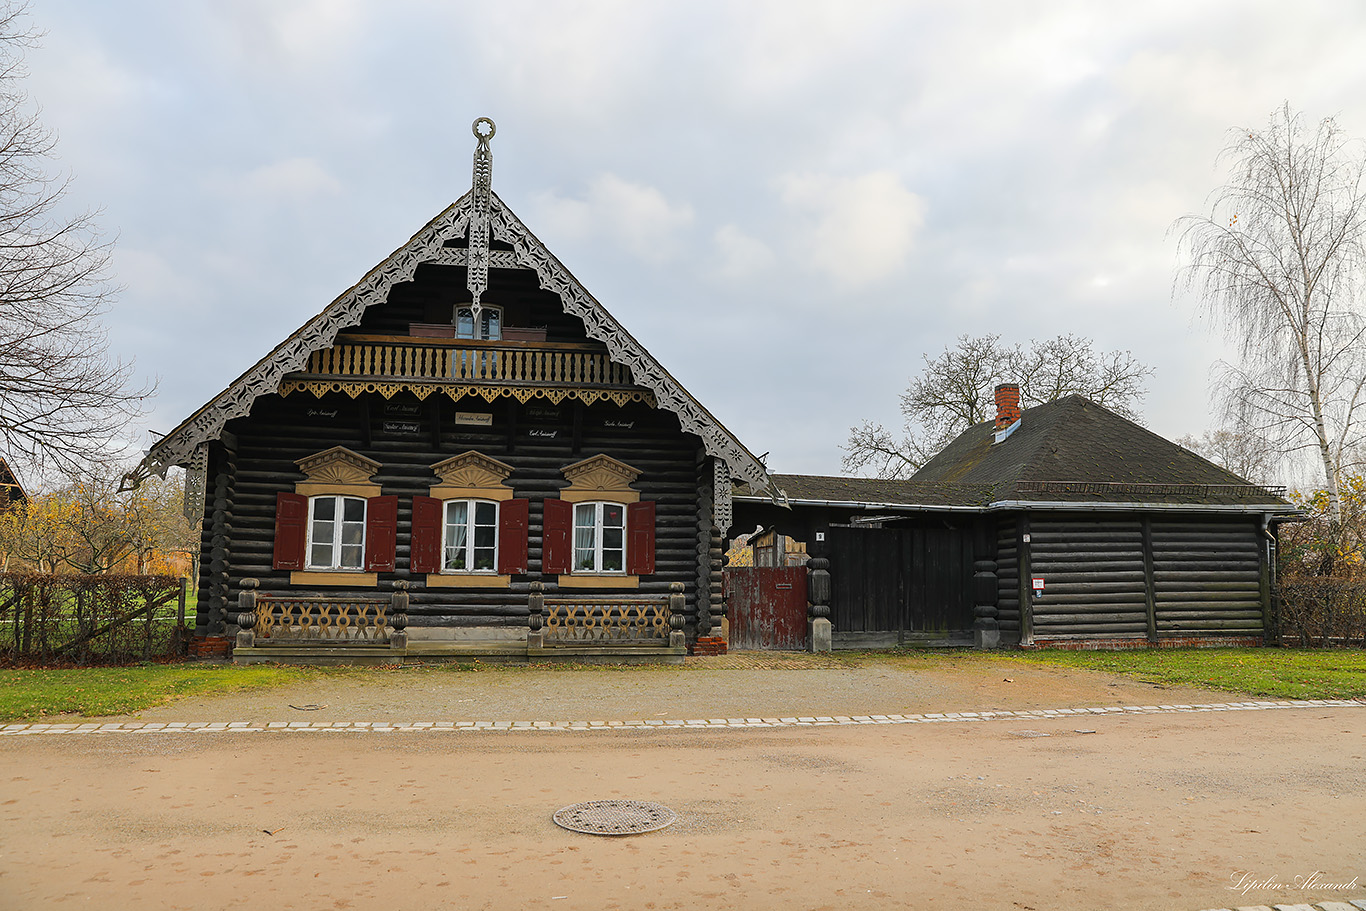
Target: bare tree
1240, 452
64, 400
956, 391
1279, 260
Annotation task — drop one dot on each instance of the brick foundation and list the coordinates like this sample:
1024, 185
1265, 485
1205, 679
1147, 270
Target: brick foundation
210, 647
1088, 645
708, 645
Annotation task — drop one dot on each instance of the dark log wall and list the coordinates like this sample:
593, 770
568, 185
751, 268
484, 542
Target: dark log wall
1093, 575
1008, 578
1208, 577
538, 439
1132, 576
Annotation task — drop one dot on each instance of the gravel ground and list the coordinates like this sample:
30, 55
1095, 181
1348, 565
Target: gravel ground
737, 685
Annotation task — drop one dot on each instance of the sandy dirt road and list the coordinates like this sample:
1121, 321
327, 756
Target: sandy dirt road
1150, 811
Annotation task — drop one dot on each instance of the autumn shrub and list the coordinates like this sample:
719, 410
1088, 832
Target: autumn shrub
1321, 571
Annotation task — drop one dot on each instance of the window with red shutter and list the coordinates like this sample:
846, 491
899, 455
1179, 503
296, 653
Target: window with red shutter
381, 532
425, 550
557, 526
640, 533
514, 517
291, 531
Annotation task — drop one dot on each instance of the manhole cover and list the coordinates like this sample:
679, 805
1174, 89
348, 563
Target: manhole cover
614, 817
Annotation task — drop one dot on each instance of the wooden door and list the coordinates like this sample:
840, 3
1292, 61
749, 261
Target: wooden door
766, 607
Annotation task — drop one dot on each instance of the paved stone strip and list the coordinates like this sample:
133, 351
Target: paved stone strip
692, 724
1355, 905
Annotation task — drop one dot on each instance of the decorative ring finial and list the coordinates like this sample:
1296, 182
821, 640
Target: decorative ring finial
484, 137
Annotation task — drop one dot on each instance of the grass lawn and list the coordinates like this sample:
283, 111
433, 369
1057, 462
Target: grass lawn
26, 695
1279, 672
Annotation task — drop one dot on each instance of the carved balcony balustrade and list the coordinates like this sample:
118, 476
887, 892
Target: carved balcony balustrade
459, 367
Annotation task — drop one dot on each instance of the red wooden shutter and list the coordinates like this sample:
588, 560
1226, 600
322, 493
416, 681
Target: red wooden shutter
640, 538
513, 518
557, 536
291, 530
424, 555
381, 530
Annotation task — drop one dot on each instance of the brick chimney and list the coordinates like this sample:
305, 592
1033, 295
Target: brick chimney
1007, 405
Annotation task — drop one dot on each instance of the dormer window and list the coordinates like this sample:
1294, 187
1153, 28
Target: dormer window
490, 323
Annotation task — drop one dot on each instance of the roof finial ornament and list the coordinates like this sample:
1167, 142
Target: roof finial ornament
477, 270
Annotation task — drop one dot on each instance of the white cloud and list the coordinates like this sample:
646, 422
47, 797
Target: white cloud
297, 179
301, 35
857, 230
636, 217
737, 255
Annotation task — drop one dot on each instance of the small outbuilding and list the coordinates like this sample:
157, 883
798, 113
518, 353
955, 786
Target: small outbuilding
1064, 524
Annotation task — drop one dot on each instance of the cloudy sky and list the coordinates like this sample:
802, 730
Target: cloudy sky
789, 203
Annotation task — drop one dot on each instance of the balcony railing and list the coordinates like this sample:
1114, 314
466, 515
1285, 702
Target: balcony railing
517, 363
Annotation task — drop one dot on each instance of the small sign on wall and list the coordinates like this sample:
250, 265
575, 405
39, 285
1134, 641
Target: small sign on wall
1037, 583
476, 418
402, 427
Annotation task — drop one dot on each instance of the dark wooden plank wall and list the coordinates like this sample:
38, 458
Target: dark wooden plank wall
1094, 577
1208, 577
905, 578
280, 430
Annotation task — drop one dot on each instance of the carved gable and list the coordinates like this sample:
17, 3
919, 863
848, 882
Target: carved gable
472, 470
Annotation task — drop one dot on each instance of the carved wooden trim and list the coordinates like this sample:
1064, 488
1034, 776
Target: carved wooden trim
600, 473
472, 471
338, 465
457, 391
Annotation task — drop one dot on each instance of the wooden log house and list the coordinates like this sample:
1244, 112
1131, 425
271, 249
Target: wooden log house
1064, 525
463, 455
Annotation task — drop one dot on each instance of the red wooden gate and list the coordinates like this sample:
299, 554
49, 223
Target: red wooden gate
766, 607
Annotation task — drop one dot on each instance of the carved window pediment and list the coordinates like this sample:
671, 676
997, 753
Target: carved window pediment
472, 470
600, 475
338, 470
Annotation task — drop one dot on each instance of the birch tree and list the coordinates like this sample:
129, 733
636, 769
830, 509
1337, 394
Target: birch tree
1278, 260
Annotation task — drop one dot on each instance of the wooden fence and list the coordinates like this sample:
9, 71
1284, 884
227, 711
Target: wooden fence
1322, 611
90, 619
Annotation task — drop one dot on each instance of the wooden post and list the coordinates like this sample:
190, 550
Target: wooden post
1026, 582
678, 604
818, 604
1149, 580
246, 614
716, 595
535, 615
398, 616
986, 630
180, 611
